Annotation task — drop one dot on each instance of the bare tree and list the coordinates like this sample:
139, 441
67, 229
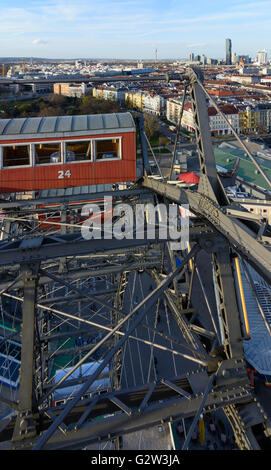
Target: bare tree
151, 124
163, 141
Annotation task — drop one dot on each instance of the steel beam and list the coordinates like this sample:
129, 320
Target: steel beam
181, 321
44, 248
209, 184
76, 297
227, 304
177, 389
58, 200
147, 396
88, 271
25, 426
177, 131
200, 359
199, 411
148, 302
144, 148
86, 413
241, 239
153, 414
234, 390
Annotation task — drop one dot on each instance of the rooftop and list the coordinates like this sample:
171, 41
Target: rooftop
61, 124
226, 158
225, 108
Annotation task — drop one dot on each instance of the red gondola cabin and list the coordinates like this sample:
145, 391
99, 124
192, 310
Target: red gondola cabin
64, 151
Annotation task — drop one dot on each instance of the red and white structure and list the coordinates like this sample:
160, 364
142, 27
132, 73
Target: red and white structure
66, 151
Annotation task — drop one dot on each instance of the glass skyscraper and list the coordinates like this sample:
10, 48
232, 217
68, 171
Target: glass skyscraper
228, 51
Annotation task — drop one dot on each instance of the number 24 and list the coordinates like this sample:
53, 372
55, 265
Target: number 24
64, 174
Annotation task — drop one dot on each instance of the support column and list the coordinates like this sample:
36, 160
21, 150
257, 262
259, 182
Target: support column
25, 425
63, 230
230, 321
209, 184
118, 303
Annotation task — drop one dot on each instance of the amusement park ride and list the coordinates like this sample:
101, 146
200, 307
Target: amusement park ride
71, 303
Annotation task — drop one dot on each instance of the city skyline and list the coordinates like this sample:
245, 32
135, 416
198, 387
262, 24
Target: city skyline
126, 29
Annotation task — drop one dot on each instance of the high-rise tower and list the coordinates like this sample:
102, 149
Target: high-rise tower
228, 51
262, 57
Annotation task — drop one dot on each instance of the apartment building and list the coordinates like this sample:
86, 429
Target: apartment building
71, 89
265, 116
98, 92
265, 110
218, 125
249, 119
245, 79
173, 109
154, 104
255, 118
135, 99
41, 88
109, 93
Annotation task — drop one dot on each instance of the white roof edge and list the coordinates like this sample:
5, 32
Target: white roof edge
123, 120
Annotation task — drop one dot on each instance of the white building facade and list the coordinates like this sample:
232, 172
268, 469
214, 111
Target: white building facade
154, 104
217, 123
173, 109
114, 94
262, 57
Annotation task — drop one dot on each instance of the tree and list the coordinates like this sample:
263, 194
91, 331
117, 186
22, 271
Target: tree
59, 100
151, 124
91, 105
28, 108
51, 111
163, 141
58, 105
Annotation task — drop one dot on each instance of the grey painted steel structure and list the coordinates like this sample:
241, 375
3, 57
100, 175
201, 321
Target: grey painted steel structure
147, 411
226, 363
150, 299
65, 197
24, 423
243, 239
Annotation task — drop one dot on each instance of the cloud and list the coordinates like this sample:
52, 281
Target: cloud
38, 42
108, 27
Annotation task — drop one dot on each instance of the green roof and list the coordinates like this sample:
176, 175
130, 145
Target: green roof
226, 158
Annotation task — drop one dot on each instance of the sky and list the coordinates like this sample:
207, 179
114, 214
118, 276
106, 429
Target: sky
133, 29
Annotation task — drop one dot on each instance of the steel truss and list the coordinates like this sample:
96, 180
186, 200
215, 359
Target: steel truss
128, 304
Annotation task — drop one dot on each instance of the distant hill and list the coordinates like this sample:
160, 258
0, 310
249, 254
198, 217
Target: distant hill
92, 59
34, 59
